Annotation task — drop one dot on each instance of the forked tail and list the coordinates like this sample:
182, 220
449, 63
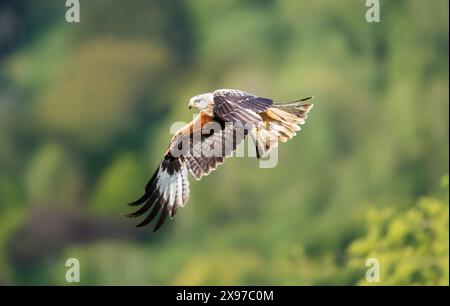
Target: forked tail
281, 122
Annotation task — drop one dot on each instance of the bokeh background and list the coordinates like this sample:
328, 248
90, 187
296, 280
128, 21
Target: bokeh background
85, 112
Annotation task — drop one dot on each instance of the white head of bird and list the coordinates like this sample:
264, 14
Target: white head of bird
201, 101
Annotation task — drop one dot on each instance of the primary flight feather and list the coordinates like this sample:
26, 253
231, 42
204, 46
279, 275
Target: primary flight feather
226, 117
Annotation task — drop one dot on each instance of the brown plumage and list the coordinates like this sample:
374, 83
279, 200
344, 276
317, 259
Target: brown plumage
281, 122
226, 117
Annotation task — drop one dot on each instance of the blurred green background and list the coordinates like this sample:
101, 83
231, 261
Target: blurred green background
85, 112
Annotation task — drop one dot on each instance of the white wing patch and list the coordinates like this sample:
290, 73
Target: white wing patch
165, 193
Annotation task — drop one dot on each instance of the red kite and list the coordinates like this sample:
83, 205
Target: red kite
226, 117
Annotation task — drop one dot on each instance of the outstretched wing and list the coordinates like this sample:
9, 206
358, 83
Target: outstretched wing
167, 190
198, 148
218, 141
238, 106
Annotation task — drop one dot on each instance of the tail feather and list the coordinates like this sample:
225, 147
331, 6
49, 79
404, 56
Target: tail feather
281, 122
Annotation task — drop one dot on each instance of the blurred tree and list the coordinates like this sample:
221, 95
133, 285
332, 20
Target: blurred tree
53, 178
412, 246
85, 112
110, 195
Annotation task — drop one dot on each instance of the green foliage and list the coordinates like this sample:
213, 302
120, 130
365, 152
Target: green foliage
83, 108
12, 217
85, 112
52, 177
411, 246
110, 263
110, 193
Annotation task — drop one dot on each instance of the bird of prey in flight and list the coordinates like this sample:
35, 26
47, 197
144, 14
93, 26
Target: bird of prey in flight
226, 117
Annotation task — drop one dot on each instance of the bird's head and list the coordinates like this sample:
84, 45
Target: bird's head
201, 101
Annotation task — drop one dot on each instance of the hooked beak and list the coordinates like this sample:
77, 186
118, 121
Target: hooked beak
190, 105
